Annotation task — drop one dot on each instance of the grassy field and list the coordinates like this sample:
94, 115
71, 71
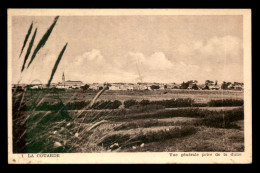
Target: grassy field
198, 95
137, 129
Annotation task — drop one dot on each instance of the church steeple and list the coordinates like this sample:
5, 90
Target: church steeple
63, 79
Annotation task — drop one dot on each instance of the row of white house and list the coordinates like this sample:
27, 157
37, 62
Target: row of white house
131, 86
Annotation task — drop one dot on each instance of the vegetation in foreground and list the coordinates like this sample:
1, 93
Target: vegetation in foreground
172, 103
127, 140
97, 131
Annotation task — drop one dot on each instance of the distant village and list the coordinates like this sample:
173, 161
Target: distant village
190, 85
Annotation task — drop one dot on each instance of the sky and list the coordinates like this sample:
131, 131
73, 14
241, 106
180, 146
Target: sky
163, 49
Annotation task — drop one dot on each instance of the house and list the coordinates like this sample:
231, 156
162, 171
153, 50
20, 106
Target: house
114, 87
73, 83
95, 86
62, 86
130, 86
214, 87
190, 85
230, 86
238, 86
193, 84
69, 83
162, 86
173, 86
34, 87
122, 87
140, 86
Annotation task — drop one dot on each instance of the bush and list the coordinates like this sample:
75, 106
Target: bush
129, 103
225, 102
76, 105
116, 104
142, 109
46, 106
187, 102
173, 103
222, 119
200, 104
85, 87
144, 102
191, 112
107, 104
155, 87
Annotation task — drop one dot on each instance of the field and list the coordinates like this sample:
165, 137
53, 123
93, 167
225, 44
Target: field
198, 95
139, 128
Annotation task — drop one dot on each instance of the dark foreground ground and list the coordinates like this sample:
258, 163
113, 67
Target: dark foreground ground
137, 129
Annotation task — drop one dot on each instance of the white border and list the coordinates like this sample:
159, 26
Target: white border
151, 157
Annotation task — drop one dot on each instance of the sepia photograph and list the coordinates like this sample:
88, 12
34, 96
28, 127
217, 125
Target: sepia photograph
111, 85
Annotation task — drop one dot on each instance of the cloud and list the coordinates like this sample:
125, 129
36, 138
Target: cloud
93, 66
218, 58
157, 61
226, 49
92, 56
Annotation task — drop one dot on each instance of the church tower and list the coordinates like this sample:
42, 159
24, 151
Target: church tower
63, 79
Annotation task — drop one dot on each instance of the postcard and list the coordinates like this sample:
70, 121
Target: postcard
129, 86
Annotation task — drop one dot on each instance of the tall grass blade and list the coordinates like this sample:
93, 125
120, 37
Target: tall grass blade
43, 40
26, 38
29, 49
56, 64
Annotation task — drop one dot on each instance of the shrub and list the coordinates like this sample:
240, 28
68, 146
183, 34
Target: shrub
115, 104
187, 102
76, 105
200, 104
222, 119
195, 87
46, 106
85, 87
155, 87
144, 102
225, 102
142, 109
107, 104
191, 112
129, 103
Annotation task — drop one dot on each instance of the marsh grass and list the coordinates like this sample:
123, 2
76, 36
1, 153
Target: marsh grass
185, 102
222, 119
36, 131
134, 105
148, 123
226, 102
126, 140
